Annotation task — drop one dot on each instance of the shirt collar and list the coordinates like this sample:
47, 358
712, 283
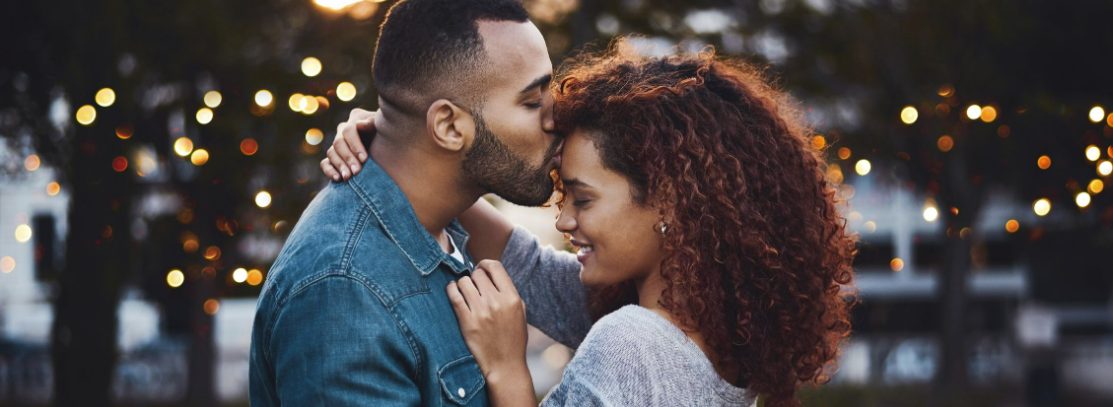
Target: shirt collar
396, 215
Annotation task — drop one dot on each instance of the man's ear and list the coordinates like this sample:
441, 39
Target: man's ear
450, 126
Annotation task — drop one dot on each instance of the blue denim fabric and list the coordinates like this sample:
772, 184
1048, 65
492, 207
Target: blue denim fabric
354, 310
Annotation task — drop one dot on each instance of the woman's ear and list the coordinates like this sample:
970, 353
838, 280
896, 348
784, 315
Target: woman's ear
450, 126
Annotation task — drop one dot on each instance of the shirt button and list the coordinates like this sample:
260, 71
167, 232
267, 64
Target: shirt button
461, 392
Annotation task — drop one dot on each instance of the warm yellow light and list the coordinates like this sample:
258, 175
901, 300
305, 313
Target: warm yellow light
1096, 114
311, 66
32, 162
1012, 225
199, 157
1096, 186
335, 5
973, 112
1082, 199
211, 306
909, 114
896, 264
870, 226
264, 98
862, 167
296, 102
945, 143
22, 233
1044, 162
86, 115
175, 278
1093, 153
1105, 168
314, 136
844, 153
212, 253
183, 146
213, 99
204, 115
53, 188
1042, 206
263, 199
254, 277
346, 91
105, 97
946, 90
931, 213
309, 105
239, 275
7, 264
123, 132
989, 114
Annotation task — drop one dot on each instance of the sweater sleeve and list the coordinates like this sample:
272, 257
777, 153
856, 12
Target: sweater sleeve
549, 282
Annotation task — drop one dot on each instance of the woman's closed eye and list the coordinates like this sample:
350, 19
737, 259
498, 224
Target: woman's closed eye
533, 105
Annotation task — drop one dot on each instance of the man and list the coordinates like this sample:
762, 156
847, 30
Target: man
354, 311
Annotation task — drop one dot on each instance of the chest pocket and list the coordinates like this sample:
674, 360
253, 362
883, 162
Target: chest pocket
461, 380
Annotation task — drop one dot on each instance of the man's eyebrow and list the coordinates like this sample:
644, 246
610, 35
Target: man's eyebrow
537, 83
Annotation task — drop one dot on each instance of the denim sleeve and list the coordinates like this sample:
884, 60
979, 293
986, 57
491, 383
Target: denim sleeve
334, 343
549, 283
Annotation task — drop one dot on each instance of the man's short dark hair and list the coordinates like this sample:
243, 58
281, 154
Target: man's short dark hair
431, 49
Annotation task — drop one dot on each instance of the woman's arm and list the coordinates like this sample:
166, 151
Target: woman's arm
488, 230
493, 321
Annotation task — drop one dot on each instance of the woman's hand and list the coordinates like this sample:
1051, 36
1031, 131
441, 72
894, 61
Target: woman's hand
347, 151
493, 321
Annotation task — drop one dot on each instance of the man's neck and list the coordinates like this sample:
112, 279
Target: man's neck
431, 185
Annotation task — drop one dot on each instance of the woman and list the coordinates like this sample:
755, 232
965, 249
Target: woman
707, 233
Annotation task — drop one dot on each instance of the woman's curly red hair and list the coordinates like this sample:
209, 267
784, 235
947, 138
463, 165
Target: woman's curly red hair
758, 257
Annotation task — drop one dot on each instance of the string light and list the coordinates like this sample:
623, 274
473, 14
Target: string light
23, 233
86, 115
844, 153
211, 306
199, 157
989, 114
123, 132
1044, 162
53, 188
263, 199
1096, 114
310, 66
945, 143
1093, 153
973, 112
183, 146
1041, 207
120, 164
239, 275
909, 114
249, 146
346, 91
862, 167
175, 278
1082, 199
105, 97
7, 264
32, 162
254, 277
931, 213
314, 136
264, 98
1012, 225
204, 115
1105, 168
213, 98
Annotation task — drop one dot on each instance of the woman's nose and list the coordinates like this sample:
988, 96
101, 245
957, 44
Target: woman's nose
566, 223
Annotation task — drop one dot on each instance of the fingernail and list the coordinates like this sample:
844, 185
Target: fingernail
355, 168
362, 157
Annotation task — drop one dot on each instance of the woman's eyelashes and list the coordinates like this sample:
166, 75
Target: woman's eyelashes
533, 105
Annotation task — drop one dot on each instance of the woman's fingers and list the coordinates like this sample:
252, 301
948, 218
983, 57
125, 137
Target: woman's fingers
498, 276
338, 163
483, 283
470, 293
326, 167
341, 146
457, 300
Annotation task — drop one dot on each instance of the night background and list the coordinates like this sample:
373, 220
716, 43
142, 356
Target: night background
155, 155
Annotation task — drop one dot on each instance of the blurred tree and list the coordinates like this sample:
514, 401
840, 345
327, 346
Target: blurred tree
158, 164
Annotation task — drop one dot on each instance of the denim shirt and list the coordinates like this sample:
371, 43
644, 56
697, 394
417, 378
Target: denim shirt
354, 310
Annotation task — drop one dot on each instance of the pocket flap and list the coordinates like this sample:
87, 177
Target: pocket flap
461, 379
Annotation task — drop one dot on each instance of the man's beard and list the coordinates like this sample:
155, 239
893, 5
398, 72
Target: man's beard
491, 165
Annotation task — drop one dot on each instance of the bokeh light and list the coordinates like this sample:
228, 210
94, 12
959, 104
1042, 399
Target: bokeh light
1012, 226
909, 114
1044, 162
1105, 168
1082, 199
346, 91
1095, 186
183, 146
105, 97
175, 278
239, 275
249, 146
314, 136
32, 162
199, 157
254, 277
23, 233
1042, 207
204, 115
120, 164
973, 112
1093, 153
896, 264
7, 264
86, 115
213, 98
988, 114
945, 143
264, 98
931, 213
211, 306
263, 199
310, 66
1097, 113
862, 167
53, 188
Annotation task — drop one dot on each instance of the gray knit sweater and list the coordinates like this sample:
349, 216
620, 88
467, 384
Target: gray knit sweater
631, 357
